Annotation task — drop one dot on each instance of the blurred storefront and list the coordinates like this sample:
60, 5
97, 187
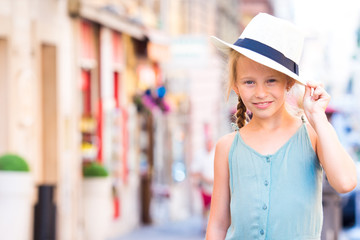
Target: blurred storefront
69, 71
38, 109
128, 141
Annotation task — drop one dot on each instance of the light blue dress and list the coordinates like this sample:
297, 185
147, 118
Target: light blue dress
278, 196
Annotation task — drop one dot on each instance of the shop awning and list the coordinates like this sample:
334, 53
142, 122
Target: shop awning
106, 18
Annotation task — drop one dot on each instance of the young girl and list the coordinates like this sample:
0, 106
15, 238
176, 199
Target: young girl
268, 174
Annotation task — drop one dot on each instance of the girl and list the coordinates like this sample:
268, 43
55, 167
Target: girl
268, 174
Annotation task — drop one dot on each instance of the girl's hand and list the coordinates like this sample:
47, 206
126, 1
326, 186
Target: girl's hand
337, 163
315, 101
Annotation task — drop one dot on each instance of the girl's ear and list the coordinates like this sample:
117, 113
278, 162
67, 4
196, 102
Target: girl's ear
236, 90
290, 83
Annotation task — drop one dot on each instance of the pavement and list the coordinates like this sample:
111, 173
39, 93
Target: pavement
189, 229
192, 229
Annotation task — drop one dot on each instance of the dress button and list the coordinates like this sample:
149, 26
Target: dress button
262, 232
264, 207
268, 159
266, 182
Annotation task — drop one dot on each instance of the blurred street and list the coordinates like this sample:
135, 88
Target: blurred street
189, 229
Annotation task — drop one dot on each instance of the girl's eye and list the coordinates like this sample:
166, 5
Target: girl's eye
271, 81
249, 82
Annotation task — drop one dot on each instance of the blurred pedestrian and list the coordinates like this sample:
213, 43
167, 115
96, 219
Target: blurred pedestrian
268, 174
202, 172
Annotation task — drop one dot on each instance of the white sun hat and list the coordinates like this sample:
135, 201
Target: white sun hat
271, 41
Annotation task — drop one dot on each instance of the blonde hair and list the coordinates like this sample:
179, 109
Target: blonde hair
294, 107
241, 116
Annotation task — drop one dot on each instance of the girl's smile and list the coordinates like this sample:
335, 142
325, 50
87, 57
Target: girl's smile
263, 105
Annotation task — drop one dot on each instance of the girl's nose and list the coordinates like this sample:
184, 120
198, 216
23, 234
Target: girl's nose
260, 91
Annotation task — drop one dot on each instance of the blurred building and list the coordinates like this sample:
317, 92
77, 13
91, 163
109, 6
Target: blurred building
251, 8
39, 101
196, 76
70, 70
85, 81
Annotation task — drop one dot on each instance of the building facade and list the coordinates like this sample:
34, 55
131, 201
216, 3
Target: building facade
133, 85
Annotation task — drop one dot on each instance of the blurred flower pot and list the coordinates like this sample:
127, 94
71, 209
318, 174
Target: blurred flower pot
16, 192
97, 206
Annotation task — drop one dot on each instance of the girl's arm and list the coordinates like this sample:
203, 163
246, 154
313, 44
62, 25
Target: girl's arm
219, 220
338, 165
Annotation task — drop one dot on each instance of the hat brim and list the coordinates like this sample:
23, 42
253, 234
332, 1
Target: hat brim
225, 47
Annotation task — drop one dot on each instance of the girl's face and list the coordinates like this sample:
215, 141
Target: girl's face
262, 89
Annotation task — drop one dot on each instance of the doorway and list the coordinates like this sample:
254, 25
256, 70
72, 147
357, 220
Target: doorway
49, 115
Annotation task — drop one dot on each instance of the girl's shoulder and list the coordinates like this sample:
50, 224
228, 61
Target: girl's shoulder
223, 145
